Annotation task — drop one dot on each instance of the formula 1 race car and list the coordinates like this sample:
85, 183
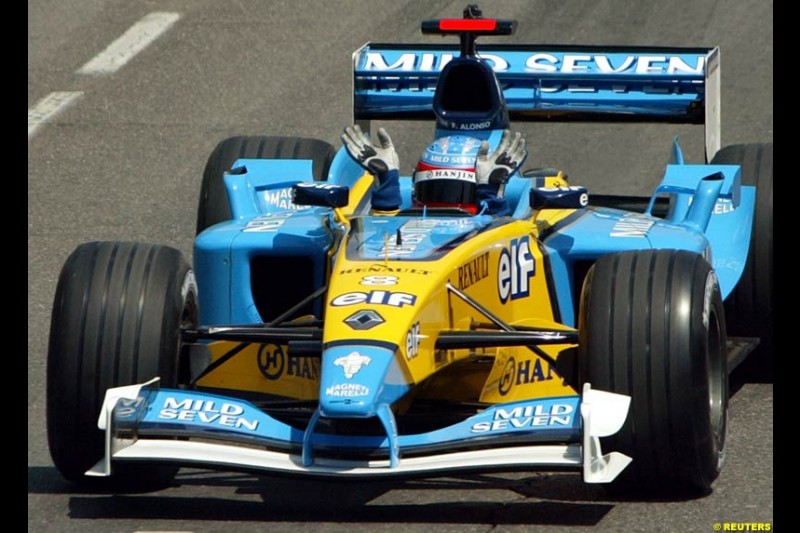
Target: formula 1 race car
314, 338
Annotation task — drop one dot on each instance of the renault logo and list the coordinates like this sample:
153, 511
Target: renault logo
364, 319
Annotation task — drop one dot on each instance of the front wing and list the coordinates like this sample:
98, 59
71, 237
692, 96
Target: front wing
144, 423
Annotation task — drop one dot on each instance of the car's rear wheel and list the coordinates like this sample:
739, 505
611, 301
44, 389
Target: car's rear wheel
748, 309
116, 320
214, 206
652, 326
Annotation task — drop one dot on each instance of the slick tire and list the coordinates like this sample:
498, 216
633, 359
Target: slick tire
214, 206
116, 320
637, 338
748, 309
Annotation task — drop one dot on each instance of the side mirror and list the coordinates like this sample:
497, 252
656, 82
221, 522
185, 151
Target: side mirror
559, 197
320, 194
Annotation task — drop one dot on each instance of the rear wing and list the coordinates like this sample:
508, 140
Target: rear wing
552, 83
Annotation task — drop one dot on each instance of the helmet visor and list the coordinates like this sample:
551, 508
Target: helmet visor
445, 187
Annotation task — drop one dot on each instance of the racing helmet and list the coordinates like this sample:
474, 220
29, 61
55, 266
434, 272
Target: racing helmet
445, 174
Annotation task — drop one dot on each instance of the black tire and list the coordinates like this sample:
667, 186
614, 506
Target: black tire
116, 321
748, 309
214, 206
637, 339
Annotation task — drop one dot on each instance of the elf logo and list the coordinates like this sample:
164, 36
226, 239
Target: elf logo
515, 269
394, 299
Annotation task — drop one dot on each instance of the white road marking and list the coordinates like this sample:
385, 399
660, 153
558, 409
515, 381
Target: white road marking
48, 107
130, 43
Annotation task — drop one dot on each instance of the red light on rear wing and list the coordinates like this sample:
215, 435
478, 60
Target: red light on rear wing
467, 24
478, 26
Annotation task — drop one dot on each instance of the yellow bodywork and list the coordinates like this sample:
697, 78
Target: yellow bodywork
505, 260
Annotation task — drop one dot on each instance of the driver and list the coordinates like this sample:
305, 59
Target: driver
454, 171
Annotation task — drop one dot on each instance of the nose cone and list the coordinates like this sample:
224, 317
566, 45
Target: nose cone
357, 378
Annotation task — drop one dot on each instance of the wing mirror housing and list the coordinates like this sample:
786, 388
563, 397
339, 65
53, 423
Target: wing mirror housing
559, 197
320, 194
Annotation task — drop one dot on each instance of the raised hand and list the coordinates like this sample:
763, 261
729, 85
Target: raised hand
378, 158
496, 167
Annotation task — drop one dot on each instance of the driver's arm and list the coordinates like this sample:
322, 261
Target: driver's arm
490, 203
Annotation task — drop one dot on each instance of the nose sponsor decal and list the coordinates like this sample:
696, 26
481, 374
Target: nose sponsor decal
364, 319
413, 338
352, 363
357, 379
393, 299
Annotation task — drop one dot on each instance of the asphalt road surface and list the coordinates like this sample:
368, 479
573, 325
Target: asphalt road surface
117, 146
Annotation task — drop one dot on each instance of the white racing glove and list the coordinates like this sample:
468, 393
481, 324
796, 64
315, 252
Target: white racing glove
495, 168
378, 158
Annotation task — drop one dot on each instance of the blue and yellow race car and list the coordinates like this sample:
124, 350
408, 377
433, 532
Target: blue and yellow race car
313, 337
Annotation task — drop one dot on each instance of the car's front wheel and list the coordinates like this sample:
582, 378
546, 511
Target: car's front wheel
116, 320
652, 326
